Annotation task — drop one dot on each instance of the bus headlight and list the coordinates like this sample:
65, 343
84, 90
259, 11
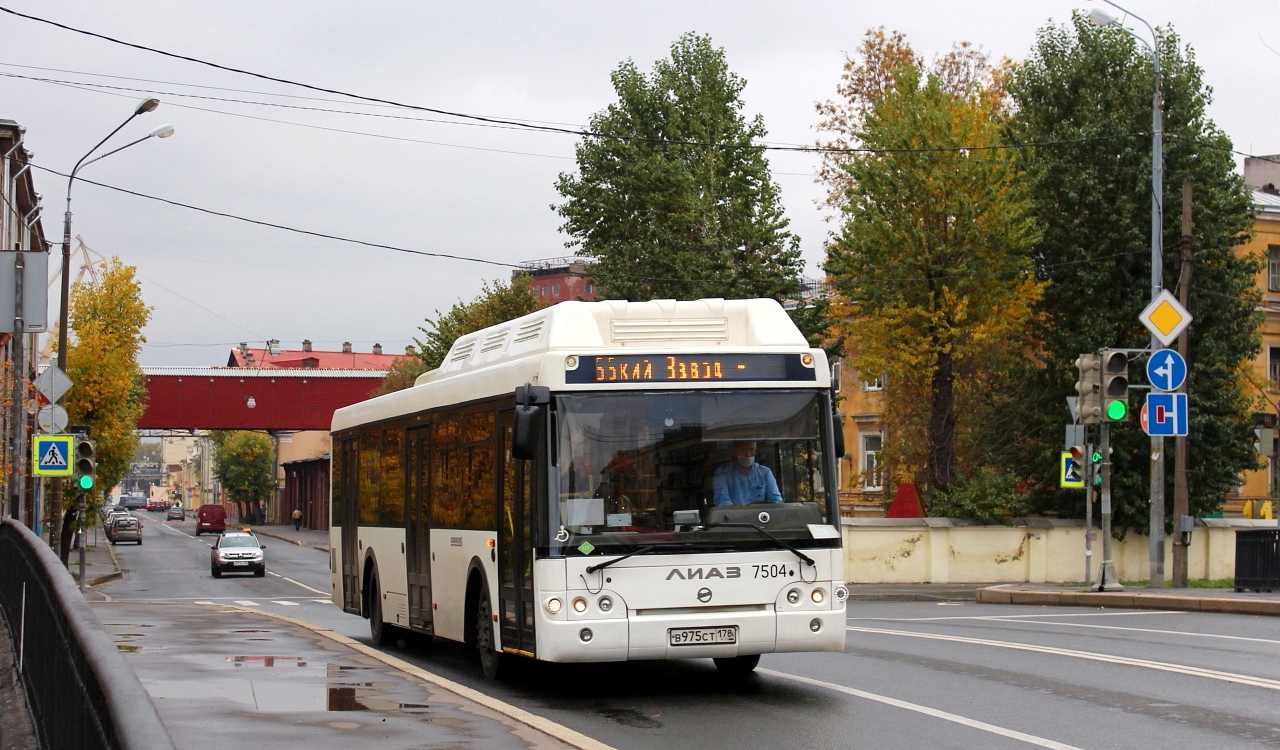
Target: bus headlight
586, 635
818, 596
815, 625
579, 605
554, 605
842, 593
793, 596
606, 604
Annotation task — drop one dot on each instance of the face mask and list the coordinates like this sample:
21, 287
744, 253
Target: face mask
746, 461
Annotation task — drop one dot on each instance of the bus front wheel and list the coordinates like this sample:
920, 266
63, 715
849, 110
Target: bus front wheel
491, 660
737, 666
379, 632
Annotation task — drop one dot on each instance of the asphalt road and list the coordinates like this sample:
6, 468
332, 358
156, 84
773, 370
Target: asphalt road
912, 675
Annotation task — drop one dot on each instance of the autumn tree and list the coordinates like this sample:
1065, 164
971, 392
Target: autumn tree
109, 394
931, 264
244, 464
673, 197
1085, 97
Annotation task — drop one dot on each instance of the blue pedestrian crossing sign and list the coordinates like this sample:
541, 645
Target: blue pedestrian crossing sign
1166, 370
1166, 414
51, 455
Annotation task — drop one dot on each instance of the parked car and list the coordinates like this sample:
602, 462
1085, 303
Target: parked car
124, 528
238, 552
176, 513
211, 518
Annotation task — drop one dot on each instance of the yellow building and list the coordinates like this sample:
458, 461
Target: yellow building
862, 484
1263, 175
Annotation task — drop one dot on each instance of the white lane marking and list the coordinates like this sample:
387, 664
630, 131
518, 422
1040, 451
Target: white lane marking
202, 602
1212, 674
936, 713
1027, 616
287, 604
322, 601
290, 580
244, 603
1152, 630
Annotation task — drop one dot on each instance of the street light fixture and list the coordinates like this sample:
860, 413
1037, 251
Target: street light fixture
1101, 17
145, 106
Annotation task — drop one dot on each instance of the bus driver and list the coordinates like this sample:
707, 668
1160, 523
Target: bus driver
743, 481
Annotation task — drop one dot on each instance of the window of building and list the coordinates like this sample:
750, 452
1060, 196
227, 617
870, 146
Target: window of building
555, 288
1273, 366
871, 479
587, 288
873, 385
1273, 268
544, 291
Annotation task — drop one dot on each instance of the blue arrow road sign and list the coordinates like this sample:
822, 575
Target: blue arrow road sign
1166, 370
51, 455
1166, 414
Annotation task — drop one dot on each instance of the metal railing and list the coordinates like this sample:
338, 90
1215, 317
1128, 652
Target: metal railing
81, 692
1258, 560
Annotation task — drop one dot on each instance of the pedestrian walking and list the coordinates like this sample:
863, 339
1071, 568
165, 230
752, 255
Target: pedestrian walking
297, 519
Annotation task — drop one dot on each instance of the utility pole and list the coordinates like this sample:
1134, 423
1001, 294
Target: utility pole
1181, 498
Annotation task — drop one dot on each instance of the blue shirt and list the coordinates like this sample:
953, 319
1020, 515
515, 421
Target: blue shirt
733, 486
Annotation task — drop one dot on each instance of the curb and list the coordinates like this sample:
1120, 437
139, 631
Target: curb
1076, 598
548, 727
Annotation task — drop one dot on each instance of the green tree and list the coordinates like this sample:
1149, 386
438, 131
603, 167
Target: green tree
1087, 92
109, 395
498, 302
931, 264
244, 464
673, 197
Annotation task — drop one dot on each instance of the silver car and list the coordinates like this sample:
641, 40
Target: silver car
238, 552
124, 528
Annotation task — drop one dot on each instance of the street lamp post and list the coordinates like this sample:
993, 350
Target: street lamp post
1156, 511
164, 131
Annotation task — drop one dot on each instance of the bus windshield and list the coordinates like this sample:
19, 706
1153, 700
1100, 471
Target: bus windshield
690, 470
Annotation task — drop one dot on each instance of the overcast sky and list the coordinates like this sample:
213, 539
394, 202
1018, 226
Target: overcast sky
436, 186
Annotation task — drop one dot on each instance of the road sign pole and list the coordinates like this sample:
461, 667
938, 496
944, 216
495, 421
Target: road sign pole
83, 512
19, 370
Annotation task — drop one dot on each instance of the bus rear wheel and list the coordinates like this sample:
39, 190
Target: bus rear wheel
737, 666
491, 659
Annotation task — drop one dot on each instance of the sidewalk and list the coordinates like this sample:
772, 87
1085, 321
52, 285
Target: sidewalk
1225, 601
317, 539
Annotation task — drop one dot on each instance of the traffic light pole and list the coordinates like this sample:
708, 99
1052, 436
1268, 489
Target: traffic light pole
81, 540
1088, 514
1107, 574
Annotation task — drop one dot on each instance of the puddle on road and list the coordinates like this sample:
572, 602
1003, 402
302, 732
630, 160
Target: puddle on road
267, 661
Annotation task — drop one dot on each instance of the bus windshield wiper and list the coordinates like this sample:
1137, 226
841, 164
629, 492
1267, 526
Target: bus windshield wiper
778, 541
607, 563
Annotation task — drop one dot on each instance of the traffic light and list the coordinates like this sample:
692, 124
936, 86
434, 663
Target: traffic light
1089, 406
85, 471
1115, 385
1095, 466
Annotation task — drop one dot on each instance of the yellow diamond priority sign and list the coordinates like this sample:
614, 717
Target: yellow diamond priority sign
1165, 318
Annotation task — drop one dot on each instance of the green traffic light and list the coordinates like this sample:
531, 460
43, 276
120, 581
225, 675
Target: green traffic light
86, 482
1117, 409
1096, 457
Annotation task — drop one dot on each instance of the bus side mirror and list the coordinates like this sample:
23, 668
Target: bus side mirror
837, 429
524, 436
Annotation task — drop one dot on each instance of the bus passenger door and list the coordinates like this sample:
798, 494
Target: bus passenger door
515, 548
349, 517
418, 531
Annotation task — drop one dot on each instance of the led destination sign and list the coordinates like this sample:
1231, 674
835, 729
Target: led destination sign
690, 368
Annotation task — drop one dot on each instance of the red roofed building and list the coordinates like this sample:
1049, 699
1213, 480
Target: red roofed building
308, 359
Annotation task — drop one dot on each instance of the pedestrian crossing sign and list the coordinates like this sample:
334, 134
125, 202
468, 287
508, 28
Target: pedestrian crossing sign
51, 455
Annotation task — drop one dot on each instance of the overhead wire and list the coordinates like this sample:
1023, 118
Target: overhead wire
581, 132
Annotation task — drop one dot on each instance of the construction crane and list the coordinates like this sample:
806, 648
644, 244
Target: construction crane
90, 260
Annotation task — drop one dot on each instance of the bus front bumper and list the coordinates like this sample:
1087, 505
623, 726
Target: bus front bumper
648, 636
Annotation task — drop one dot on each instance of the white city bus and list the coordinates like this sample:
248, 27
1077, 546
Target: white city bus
550, 491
